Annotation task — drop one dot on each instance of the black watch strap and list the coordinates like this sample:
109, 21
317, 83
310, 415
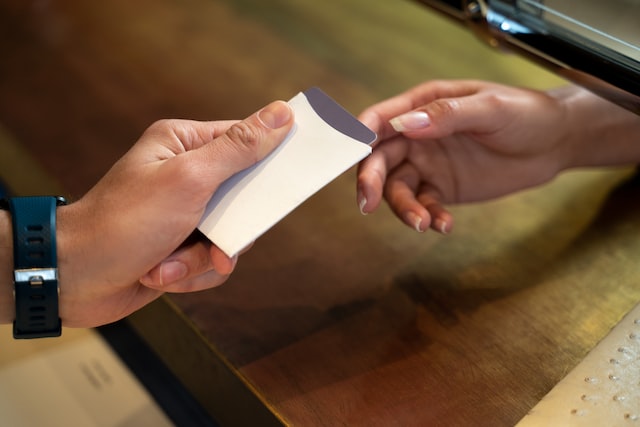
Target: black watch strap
35, 266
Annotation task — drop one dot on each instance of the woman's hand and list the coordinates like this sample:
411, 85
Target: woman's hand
459, 141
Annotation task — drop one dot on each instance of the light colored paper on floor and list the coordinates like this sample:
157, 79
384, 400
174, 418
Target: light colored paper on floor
78, 383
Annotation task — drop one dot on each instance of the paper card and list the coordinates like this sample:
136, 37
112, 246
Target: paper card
325, 141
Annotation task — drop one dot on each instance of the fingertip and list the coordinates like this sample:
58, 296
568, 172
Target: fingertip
411, 121
365, 206
442, 226
221, 262
366, 197
362, 204
275, 115
369, 119
164, 274
415, 221
370, 183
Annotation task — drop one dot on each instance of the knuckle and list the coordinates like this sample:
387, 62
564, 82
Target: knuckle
162, 125
163, 128
494, 102
246, 136
442, 109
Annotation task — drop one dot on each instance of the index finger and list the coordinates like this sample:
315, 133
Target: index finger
378, 115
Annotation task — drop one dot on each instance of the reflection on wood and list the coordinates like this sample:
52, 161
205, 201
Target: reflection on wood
332, 318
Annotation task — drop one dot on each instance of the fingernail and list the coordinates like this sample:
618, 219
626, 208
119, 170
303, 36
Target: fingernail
275, 115
362, 202
440, 225
415, 220
172, 271
410, 121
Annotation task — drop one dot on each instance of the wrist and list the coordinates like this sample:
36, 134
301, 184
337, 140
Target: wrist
76, 246
568, 133
88, 265
596, 131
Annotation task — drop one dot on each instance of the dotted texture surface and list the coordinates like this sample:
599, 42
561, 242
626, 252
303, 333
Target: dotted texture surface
603, 390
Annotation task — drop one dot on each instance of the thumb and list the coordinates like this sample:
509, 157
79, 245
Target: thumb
250, 140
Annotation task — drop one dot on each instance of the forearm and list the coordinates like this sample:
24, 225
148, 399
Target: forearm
597, 132
7, 307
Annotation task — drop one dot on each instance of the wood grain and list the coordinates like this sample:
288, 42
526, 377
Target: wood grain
332, 318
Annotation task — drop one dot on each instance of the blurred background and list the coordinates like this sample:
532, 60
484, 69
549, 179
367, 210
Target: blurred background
80, 81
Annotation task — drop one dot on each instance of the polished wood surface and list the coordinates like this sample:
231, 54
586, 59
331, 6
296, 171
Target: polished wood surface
332, 318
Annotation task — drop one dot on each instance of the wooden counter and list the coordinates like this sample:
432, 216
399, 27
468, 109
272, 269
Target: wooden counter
332, 318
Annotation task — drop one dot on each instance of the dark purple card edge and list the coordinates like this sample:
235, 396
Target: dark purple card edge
337, 117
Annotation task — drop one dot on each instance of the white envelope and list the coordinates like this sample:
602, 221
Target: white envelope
325, 142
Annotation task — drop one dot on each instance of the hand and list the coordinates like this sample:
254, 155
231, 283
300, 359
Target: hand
459, 141
131, 237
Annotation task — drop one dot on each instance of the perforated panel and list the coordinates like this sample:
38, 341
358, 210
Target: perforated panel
603, 390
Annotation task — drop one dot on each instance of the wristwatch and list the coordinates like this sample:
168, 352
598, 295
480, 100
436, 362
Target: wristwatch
35, 265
